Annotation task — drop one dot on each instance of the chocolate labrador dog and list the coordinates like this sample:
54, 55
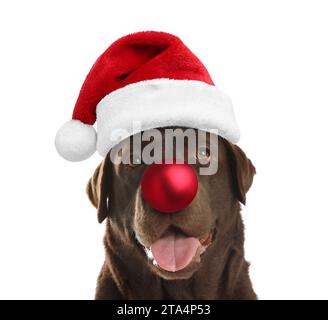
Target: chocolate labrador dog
199, 251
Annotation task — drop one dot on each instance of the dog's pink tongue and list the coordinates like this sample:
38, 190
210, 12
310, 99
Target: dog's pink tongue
174, 251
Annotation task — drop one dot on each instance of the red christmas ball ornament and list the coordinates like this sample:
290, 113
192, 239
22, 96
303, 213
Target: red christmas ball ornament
169, 187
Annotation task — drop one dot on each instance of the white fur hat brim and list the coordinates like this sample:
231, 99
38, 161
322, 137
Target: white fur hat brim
163, 103
151, 104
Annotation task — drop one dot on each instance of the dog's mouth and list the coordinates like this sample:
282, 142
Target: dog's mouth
174, 250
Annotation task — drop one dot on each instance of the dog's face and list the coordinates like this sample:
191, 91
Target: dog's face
173, 245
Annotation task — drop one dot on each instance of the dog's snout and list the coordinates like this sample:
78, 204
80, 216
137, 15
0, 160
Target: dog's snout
169, 187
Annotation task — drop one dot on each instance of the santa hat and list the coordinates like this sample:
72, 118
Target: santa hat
149, 77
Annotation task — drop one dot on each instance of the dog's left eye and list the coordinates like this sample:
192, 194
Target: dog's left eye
203, 155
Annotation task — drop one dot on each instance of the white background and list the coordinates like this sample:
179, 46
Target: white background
271, 57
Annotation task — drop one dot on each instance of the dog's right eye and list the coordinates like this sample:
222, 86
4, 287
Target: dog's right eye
133, 160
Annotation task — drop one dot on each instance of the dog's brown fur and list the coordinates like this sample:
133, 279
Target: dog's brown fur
127, 273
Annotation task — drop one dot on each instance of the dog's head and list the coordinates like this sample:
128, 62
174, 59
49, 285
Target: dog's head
173, 245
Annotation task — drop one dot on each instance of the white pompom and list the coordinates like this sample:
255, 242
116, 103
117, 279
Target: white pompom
76, 141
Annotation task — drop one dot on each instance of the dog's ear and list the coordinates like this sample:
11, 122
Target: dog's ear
242, 170
97, 190
92, 187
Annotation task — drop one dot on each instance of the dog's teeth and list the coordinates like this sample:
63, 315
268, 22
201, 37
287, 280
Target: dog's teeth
202, 249
154, 262
149, 254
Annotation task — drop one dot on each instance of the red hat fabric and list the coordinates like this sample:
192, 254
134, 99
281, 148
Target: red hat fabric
150, 77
